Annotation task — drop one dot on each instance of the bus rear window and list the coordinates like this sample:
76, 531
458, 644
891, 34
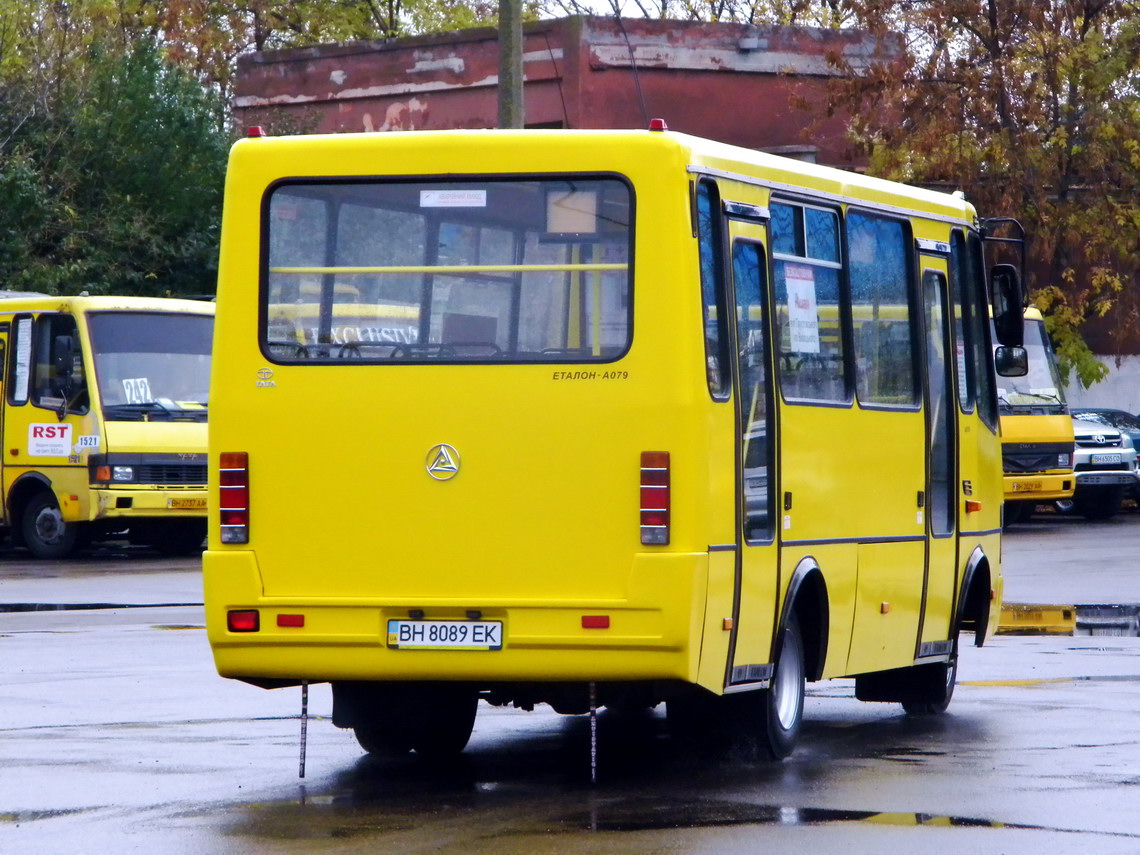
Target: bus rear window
514, 270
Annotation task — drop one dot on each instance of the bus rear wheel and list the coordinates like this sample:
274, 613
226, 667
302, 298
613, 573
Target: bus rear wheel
44, 530
784, 699
434, 721
934, 687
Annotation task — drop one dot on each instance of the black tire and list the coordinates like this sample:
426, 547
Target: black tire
45, 533
380, 739
783, 700
753, 726
435, 721
1100, 504
1016, 512
934, 687
180, 538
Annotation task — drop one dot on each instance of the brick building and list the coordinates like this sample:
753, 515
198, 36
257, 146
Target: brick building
760, 87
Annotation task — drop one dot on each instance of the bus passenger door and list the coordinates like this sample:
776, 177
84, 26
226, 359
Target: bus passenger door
941, 482
755, 606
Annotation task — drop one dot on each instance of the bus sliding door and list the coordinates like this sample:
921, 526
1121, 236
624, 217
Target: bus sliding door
754, 611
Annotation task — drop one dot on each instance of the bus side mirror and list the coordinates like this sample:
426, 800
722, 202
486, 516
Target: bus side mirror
1011, 361
63, 356
63, 363
1008, 305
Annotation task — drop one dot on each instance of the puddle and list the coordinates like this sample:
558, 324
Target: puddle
651, 815
178, 626
20, 816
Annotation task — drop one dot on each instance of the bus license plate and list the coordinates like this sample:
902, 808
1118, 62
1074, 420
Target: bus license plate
1026, 486
1106, 458
186, 504
445, 634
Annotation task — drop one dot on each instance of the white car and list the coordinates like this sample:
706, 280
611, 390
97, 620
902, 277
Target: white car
1104, 462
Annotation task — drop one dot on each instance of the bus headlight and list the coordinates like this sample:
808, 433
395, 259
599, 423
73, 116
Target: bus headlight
122, 473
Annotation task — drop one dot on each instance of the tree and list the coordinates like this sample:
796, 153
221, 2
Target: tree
1032, 109
112, 178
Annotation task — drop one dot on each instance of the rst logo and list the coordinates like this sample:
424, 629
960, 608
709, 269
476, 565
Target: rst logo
49, 440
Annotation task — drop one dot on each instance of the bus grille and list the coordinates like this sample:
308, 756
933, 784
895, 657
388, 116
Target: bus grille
1031, 461
171, 473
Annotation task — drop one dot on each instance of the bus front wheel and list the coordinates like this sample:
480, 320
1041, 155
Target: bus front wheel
44, 530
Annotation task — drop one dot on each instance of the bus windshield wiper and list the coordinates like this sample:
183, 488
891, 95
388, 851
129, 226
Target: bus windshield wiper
1003, 397
154, 411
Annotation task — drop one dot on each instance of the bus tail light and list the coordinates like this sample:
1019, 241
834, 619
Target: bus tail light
655, 500
233, 496
243, 620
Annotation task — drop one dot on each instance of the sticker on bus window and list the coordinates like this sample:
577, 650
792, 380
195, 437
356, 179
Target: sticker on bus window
49, 440
453, 198
23, 361
137, 391
803, 317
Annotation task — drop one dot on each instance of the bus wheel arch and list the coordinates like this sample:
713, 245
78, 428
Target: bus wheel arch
806, 600
975, 598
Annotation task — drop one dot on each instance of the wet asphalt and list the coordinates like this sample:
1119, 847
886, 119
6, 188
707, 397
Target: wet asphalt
117, 736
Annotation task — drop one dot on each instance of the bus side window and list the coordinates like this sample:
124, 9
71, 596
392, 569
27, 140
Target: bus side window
19, 372
971, 328
711, 246
878, 270
806, 266
58, 378
981, 348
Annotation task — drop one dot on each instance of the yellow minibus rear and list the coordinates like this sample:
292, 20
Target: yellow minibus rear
596, 418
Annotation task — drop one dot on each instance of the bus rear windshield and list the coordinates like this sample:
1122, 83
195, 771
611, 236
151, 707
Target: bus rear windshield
511, 270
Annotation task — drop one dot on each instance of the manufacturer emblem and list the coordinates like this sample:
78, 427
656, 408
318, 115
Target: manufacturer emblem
1099, 439
442, 462
265, 378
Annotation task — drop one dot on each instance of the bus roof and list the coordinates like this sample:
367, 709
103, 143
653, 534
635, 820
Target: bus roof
25, 301
700, 154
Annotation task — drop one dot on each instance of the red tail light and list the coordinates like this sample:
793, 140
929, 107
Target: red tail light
243, 620
655, 500
233, 496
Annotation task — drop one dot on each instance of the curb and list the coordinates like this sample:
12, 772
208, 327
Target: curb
1027, 619
1090, 619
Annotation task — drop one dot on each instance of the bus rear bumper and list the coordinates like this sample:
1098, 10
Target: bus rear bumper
331, 640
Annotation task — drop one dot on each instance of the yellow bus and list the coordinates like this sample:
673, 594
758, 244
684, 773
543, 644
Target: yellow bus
103, 418
597, 418
1036, 430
